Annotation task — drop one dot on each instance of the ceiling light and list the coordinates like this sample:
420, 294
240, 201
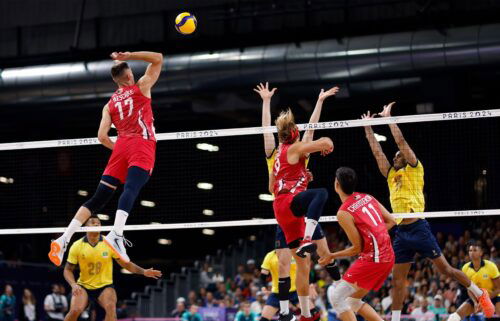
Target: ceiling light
148, 203
207, 147
208, 212
81, 192
203, 185
266, 197
164, 241
208, 231
103, 217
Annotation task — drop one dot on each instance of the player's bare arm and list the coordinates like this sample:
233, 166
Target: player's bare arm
378, 153
155, 59
346, 221
69, 276
272, 179
390, 222
300, 149
134, 268
104, 127
399, 138
266, 95
323, 95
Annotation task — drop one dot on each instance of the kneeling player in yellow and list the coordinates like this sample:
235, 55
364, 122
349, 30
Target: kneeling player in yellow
95, 283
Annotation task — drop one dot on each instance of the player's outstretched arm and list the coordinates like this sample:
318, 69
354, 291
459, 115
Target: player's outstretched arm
308, 135
346, 221
104, 127
300, 149
153, 70
69, 276
398, 137
134, 268
390, 222
378, 153
266, 95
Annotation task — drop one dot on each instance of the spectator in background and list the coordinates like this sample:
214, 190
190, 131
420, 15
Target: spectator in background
239, 279
387, 302
221, 291
180, 308
207, 277
251, 266
192, 314
28, 309
438, 306
421, 313
257, 306
7, 304
245, 314
210, 301
55, 304
121, 310
192, 299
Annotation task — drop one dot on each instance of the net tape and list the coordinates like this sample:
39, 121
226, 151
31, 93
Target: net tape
239, 223
486, 113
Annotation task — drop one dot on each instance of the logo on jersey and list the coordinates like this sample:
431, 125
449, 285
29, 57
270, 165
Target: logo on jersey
485, 276
105, 254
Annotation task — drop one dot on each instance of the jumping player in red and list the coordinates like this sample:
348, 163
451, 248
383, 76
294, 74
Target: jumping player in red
366, 223
133, 156
288, 182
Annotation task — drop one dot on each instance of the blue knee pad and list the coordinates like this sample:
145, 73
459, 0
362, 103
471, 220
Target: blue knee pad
136, 179
102, 194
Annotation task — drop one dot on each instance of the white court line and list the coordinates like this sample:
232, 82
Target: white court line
211, 133
252, 222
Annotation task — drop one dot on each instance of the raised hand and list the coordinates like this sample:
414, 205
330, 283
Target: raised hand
386, 112
150, 273
330, 92
367, 116
121, 56
264, 91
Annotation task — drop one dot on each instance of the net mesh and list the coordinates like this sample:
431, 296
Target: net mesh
44, 187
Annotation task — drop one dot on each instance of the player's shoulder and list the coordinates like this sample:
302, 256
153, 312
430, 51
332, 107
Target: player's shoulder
466, 266
490, 265
78, 242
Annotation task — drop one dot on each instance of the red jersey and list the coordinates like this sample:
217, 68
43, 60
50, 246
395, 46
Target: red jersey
289, 178
131, 113
371, 226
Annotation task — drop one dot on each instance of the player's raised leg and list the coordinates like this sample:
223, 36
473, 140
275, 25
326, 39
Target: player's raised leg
102, 195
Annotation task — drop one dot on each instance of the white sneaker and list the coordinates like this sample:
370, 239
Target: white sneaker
117, 244
57, 249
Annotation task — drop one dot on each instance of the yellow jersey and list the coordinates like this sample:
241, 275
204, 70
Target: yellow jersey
406, 188
95, 263
271, 264
483, 277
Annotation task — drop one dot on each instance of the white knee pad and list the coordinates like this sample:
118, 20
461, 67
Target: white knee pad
339, 295
355, 304
454, 317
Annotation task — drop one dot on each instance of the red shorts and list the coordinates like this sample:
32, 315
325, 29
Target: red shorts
130, 151
368, 275
293, 227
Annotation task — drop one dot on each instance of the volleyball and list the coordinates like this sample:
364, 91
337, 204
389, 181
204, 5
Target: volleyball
185, 23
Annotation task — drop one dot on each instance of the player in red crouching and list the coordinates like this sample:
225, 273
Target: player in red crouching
366, 223
133, 156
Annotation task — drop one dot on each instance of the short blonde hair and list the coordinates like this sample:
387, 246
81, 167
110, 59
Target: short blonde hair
285, 123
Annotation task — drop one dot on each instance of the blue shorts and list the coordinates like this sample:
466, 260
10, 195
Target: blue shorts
274, 301
415, 238
281, 240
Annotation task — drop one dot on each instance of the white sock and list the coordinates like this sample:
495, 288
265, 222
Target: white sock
72, 227
120, 220
310, 227
284, 307
475, 290
396, 315
304, 306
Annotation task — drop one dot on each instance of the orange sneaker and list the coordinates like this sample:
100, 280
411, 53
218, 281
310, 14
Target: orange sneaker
57, 249
485, 302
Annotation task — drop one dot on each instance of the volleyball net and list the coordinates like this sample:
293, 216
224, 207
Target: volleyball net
218, 178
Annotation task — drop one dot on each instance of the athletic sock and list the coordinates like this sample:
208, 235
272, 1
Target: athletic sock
72, 227
304, 306
120, 220
310, 227
396, 315
475, 289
